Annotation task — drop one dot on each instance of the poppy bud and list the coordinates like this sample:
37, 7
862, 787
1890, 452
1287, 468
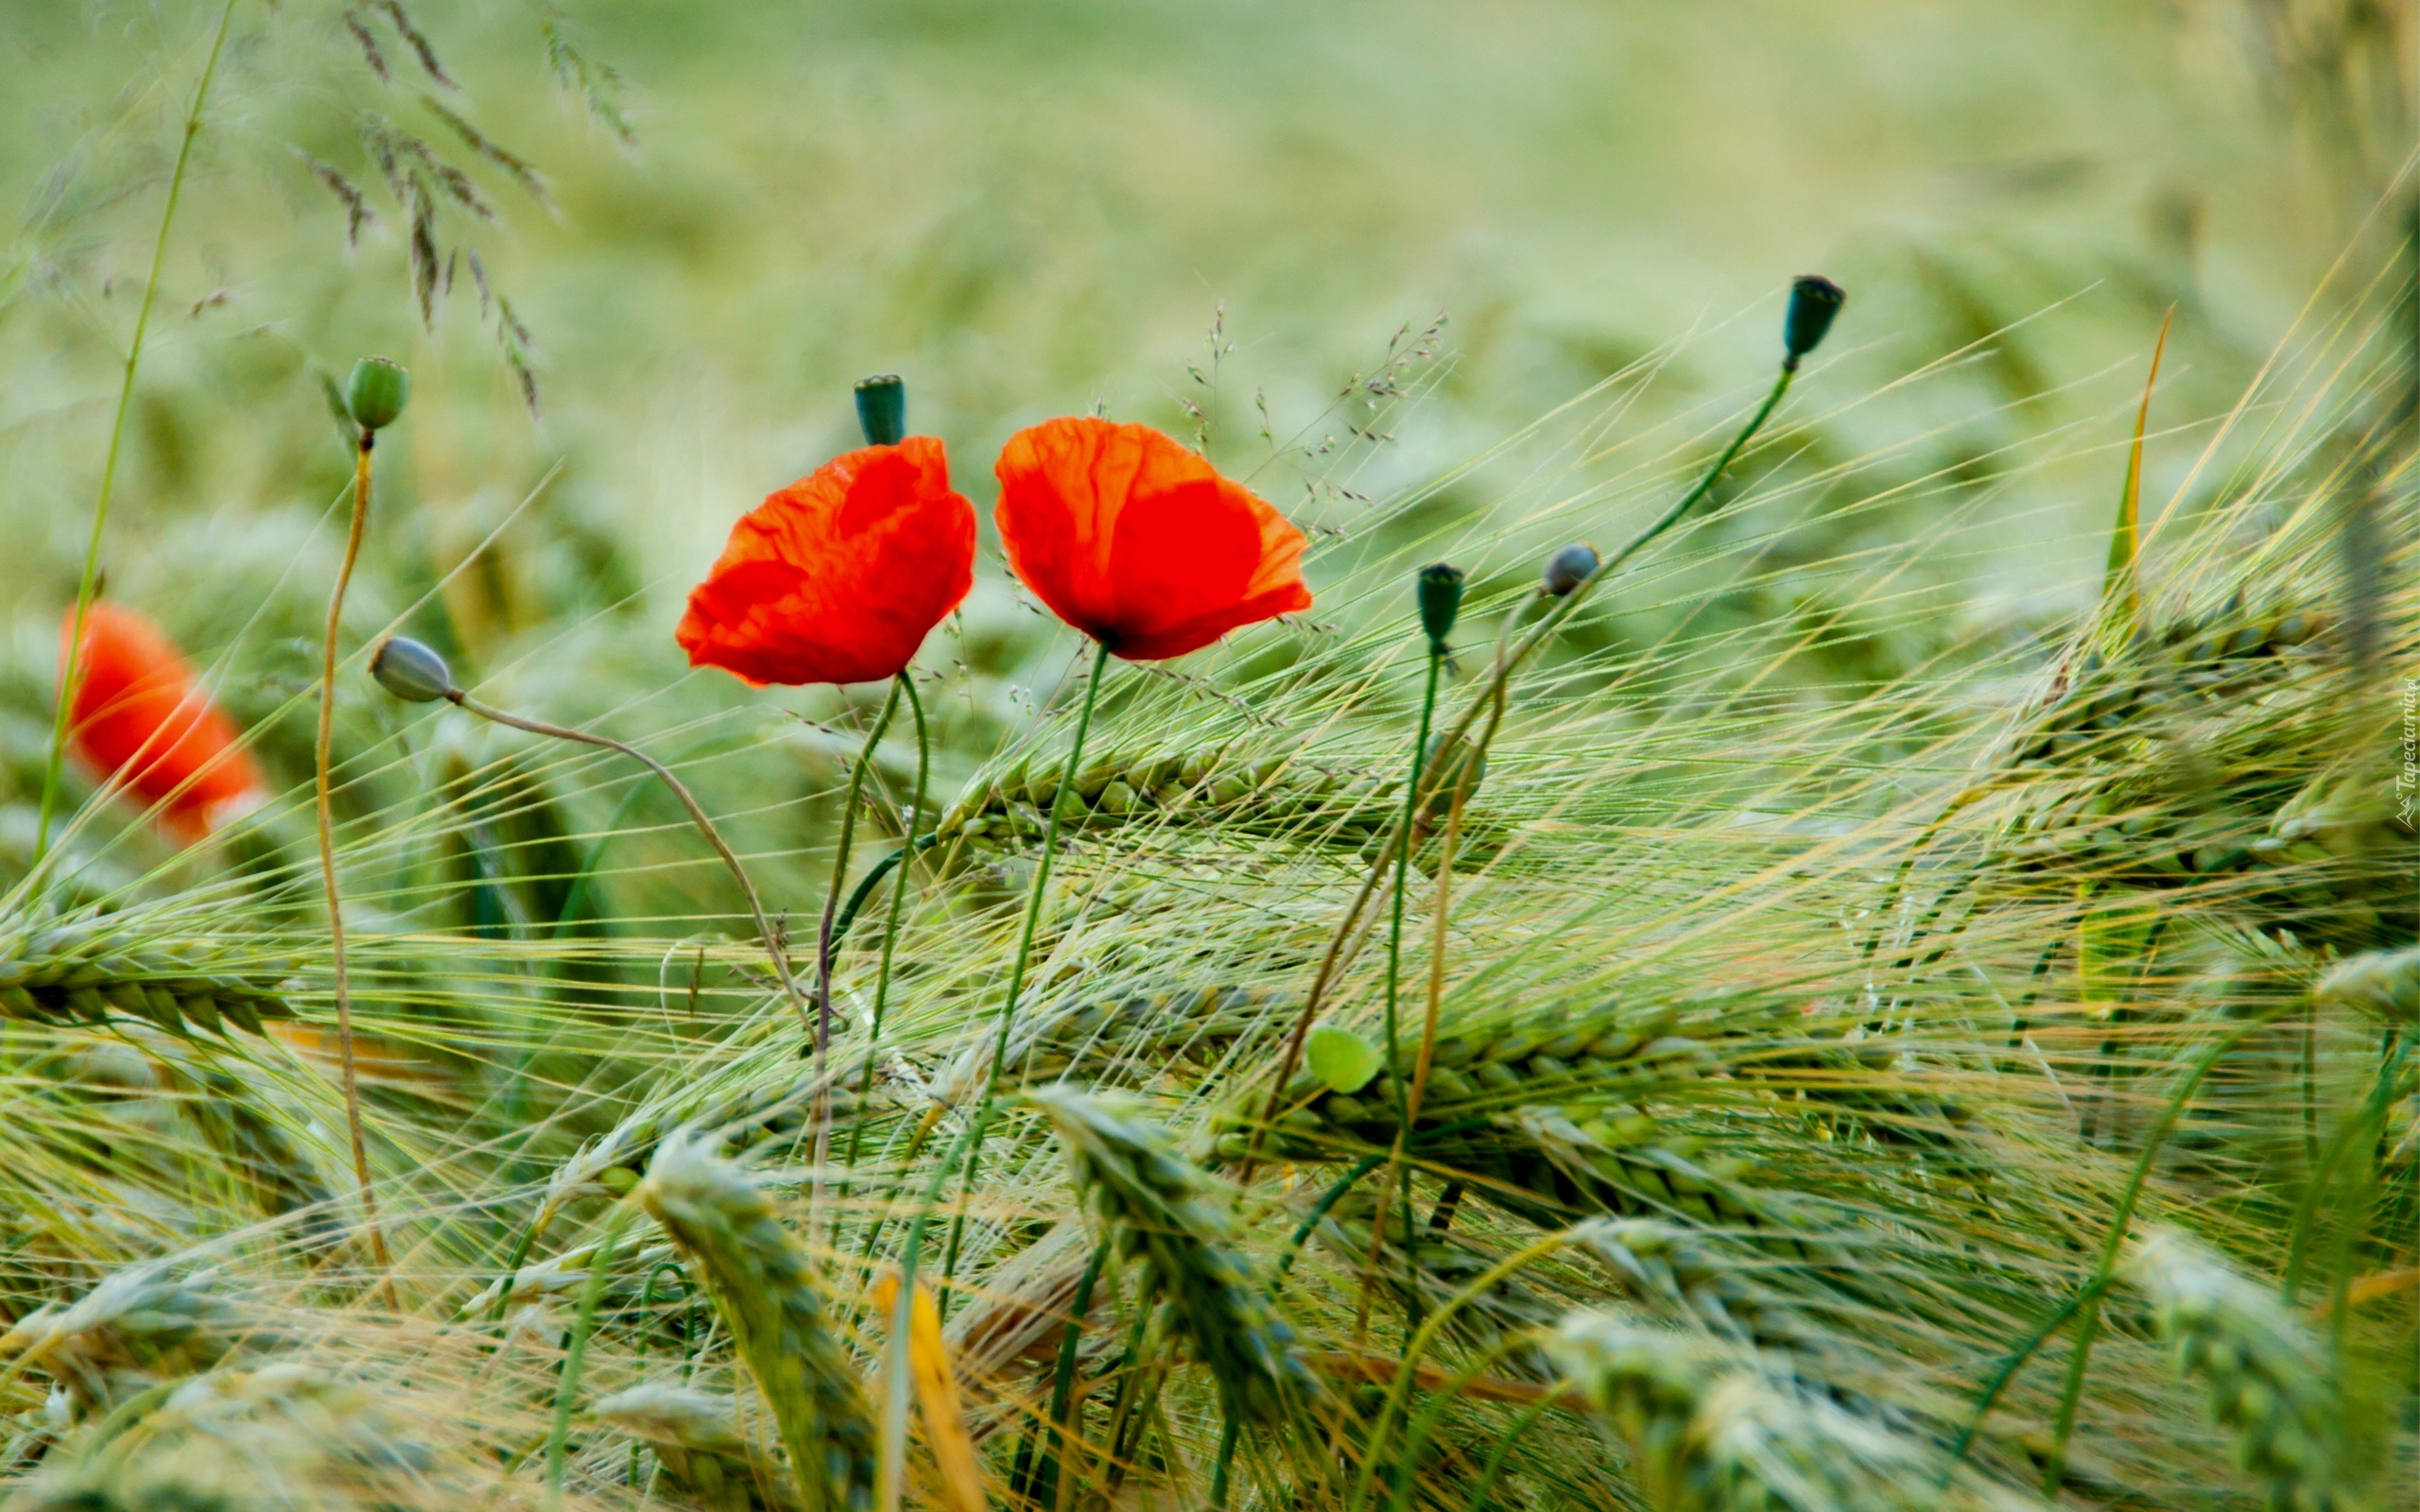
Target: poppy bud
1570, 567
1813, 302
375, 393
1440, 591
882, 409
411, 671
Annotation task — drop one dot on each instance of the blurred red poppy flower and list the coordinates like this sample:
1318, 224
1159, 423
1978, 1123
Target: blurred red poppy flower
840, 576
140, 718
1139, 543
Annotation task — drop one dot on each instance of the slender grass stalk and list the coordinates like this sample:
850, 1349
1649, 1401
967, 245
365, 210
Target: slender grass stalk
1399, 1392
705, 826
984, 1113
891, 922
87, 583
324, 813
2055, 1463
600, 1271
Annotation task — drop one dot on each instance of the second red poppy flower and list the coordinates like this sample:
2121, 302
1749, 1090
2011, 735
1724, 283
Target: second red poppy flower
1139, 543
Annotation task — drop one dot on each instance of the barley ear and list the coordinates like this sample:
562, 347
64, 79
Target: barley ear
761, 1283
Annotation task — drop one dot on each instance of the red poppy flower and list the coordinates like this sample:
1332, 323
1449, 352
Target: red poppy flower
1137, 541
140, 718
840, 576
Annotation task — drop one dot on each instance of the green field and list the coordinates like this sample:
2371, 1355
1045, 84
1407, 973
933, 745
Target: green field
1913, 1009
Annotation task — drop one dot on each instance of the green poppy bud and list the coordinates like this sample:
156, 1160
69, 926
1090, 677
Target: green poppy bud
1570, 567
1440, 591
411, 671
1813, 302
882, 409
375, 393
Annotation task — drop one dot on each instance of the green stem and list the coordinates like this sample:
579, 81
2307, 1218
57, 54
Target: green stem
1062, 1383
872, 879
87, 584
1505, 666
1399, 1393
1402, 869
2055, 1464
840, 872
323, 793
1228, 1436
1503, 1450
890, 924
600, 1270
1328, 1199
698, 818
1059, 802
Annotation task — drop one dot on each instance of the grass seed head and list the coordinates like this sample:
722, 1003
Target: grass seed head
1167, 1213
761, 1283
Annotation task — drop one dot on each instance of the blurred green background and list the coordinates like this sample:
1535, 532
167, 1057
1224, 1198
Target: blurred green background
1042, 206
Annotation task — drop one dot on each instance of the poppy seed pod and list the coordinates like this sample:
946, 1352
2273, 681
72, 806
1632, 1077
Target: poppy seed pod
1570, 567
375, 393
1440, 591
411, 671
882, 409
1813, 302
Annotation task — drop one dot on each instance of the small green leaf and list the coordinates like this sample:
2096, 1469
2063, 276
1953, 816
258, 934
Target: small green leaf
1342, 1058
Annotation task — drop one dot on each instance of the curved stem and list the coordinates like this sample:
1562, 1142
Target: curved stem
2087, 1298
696, 816
872, 879
891, 923
1328, 1199
1506, 665
1059, 802
86, 586
1503, 1450
324, 795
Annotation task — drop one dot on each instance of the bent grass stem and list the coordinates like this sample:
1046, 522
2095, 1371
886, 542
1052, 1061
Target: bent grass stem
698, 817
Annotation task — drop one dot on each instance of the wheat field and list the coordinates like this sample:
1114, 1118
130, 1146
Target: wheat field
1896, 992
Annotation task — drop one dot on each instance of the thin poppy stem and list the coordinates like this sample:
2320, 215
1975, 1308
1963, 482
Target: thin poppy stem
1395, 968
324, 794
840, 870
696, 816
1506, 665
823, 955
891, 922
1059, 803
87, 586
